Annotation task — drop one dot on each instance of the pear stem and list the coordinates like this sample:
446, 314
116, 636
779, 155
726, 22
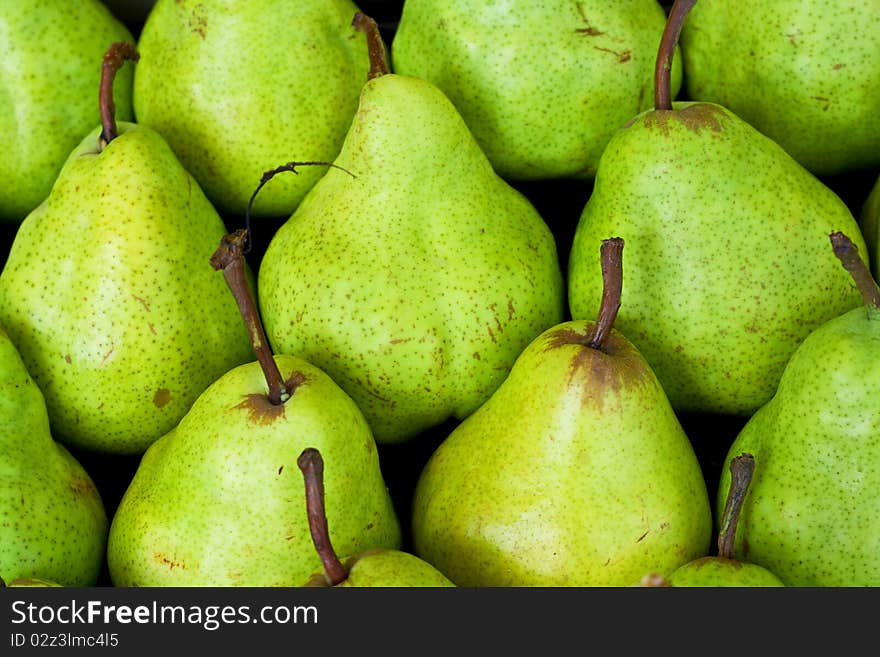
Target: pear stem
266, 177
230, 259
848, 254
311, 464
375, 45
741, 469
113, 60
666, 51
612, 289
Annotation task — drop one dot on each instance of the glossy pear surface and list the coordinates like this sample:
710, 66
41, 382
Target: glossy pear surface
806, 74
52, 520
576, 472
720, 571
238, 88
542, 85
415, 276
51, 52
219, 500
727, 248
387, 568
812, 513
110, 298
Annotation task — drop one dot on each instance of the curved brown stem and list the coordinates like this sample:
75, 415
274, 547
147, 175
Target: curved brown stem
666, 51
311, 464
113, 60
612, 289
230, 259
375, 45
741, 469
848, 254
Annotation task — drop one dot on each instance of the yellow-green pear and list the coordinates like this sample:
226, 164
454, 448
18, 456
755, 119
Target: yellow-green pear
729, 268
411, 273
51, 52
804, 73
542, 85
107, 292
812, 512
53, 525
219, 500
576, 472
376, 567
236, 87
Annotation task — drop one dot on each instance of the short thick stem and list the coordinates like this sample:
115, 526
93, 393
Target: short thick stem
612, 289
375, 45
741, 469
230, 259
666, 51
311, 464
114, 58
848, 254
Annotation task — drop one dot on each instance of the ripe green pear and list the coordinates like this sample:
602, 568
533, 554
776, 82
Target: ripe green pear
219, 501
542, 85
238, 87
806, 74
51, 52
411, 273
812, 514
53, 525
729, 267
109, 297
576, 472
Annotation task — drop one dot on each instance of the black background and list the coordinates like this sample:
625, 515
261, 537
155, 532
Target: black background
560, 203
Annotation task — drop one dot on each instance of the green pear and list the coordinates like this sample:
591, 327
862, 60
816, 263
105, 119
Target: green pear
812, 513
729, 268
53, 524
411, 273
576, 472
235, 87
376, 567
218, 500
806, 74
107, 293
869, 222
28, 582
51, 52
542, 85
724, 569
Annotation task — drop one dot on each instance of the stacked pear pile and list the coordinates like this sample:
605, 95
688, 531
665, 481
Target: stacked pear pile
537, 294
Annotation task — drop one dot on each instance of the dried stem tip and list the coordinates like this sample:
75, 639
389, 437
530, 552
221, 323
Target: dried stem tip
311, 464
375, 45
848, 254
612, 289
114, 58
742, 468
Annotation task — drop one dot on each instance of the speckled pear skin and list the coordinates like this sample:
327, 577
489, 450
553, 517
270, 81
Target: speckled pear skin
542, 85
386, 568
415, 277
869, 221
798, 71
718, 571
141, 323
219, 501
576, 472
727, 249
51, 52
53, 525
812, 512
238, 88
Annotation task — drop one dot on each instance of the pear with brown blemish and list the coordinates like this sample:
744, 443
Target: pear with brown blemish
53, 525
542, 85
107, 291
377, 567
411, 272
576, 472
729, 268
219, 500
